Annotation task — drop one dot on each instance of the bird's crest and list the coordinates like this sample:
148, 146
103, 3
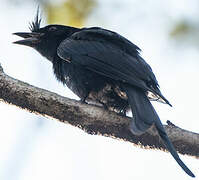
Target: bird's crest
35, 24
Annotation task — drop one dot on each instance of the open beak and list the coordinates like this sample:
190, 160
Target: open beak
30, 39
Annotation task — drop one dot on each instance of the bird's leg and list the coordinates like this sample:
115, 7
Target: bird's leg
83, 100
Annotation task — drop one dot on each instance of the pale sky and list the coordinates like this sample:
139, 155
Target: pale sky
34, 147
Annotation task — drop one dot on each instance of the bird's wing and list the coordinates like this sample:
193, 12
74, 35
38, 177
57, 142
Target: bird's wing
110, 55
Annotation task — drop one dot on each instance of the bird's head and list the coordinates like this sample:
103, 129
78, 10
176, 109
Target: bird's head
46, 39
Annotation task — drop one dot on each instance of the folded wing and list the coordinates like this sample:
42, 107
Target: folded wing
110, 55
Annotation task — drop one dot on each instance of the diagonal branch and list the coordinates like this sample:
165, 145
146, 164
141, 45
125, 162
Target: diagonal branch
92, 119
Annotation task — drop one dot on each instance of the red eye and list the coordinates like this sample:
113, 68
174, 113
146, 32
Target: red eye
52, 28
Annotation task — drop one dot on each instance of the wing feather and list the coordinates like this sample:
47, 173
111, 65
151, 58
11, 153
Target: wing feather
98, 53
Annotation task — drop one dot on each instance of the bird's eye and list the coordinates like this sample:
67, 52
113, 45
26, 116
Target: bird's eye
53, 28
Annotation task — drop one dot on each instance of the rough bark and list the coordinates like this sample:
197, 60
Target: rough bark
91, 119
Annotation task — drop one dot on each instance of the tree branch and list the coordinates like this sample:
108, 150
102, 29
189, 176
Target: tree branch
92, 119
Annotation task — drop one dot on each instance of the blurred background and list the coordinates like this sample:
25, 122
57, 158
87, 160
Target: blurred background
33, 147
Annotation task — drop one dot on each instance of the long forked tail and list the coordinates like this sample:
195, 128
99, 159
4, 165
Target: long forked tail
144, 115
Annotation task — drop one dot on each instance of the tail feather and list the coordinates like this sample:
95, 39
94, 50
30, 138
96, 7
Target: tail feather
171, 148
144, 115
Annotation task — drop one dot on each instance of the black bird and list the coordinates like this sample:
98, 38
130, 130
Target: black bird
103, 67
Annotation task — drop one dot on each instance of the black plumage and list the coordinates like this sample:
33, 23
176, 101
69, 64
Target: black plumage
103, 67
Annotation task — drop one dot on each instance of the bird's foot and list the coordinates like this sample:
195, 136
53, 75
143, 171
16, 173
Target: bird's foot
103, 104
171, 124
122, 113
83, 100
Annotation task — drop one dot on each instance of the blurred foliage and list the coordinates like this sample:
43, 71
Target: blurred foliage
70, 12
186, 32
180, 29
